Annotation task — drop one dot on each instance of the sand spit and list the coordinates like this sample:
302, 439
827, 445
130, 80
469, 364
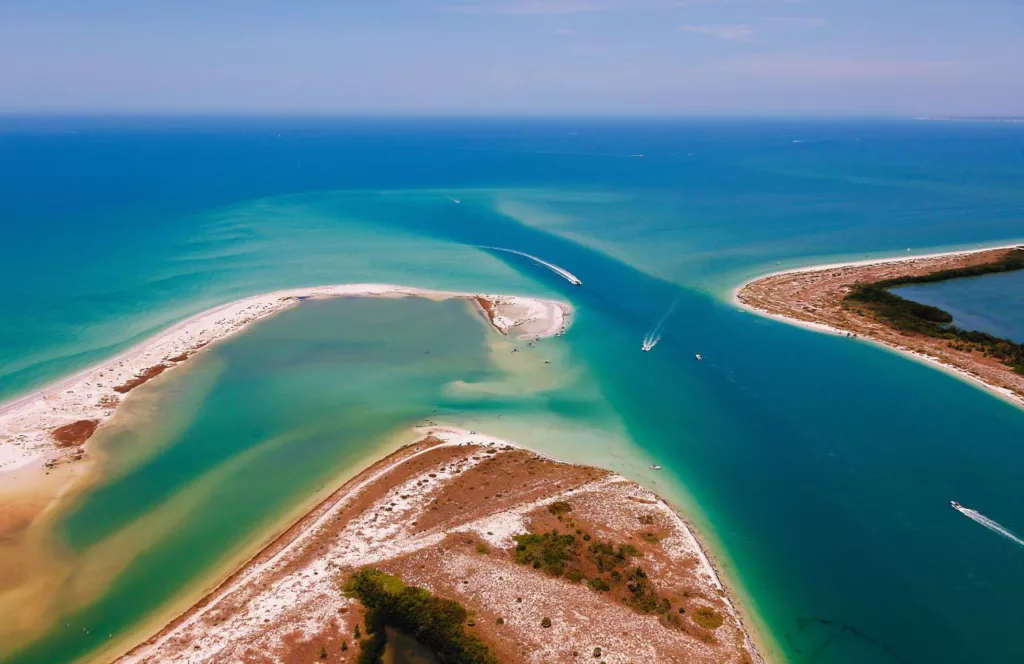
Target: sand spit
48, 423
812, 297
441, 513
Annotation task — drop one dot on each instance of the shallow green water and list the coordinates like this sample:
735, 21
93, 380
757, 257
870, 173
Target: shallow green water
283, 409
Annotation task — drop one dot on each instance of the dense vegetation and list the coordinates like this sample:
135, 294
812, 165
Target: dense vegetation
438, 624
874, 299
607, 568
1013, 260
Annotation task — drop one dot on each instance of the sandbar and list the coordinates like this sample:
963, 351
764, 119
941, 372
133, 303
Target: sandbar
54, 422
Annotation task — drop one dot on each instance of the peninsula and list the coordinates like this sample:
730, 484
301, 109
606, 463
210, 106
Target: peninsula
487, 551
853, 299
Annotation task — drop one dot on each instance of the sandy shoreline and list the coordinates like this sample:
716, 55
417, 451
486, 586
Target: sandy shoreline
90, 397
886, 342
254, 603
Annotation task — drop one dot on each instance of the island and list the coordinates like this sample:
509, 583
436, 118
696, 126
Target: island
854, 299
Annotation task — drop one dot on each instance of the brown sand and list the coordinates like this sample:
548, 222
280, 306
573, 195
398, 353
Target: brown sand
148, 374
490, 311
76, 433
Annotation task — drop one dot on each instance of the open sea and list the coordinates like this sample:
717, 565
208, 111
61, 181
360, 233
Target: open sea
819, 469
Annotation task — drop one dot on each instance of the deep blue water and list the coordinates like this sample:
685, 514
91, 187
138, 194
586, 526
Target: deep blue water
821, 467
993, 303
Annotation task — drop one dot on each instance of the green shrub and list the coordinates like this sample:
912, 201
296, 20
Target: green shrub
708, 618
559, 507
549, 551
643, 598
600, 585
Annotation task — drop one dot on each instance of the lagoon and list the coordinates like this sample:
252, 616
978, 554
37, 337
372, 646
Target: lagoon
992, 303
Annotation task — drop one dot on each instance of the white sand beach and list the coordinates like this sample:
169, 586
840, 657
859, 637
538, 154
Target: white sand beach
91, 396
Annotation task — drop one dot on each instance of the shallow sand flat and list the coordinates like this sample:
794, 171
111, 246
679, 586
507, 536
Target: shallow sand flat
812, 298
89, 398
442, 513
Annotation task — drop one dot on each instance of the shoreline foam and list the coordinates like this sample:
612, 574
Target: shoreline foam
959, 372
27, 423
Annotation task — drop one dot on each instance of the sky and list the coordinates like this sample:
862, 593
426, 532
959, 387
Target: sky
662, 57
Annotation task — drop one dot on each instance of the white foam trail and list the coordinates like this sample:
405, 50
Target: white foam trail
653, 335
978, 517
562, 272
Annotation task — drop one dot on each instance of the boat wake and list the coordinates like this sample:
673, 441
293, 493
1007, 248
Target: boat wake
978, 517
653, 335
562, 272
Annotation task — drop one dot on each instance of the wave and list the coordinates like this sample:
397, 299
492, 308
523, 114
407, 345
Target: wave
560, 271
978, 517
653, 335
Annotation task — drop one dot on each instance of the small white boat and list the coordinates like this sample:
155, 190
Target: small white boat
955, 505
655, 467
699, 358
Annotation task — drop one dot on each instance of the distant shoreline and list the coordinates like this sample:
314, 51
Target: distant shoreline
84, 401
810, 297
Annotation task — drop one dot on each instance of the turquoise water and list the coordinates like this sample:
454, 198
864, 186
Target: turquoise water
993, 303
821, 468
284, 409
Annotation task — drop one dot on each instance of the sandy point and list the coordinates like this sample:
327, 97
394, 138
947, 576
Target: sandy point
812, 298
443, 513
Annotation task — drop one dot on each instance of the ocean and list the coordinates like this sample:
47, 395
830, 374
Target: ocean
818, 468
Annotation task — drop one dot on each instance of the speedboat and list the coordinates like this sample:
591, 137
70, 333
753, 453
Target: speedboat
655, 467
955, 505
699, 358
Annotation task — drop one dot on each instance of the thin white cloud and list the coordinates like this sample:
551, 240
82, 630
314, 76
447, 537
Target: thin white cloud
798, 21
832, 69
731, 32
530, 7
556, 7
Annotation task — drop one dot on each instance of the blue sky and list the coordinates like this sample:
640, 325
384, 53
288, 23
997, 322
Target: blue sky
689, 57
